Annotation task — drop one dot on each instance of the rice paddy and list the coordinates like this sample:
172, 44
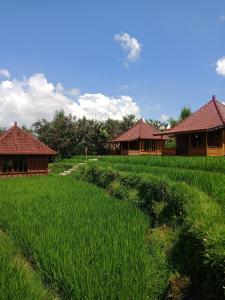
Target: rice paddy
115, 228
80, 242
185, 194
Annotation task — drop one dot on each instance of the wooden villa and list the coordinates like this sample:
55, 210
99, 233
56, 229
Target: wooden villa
201, 134
138, 140
22, 154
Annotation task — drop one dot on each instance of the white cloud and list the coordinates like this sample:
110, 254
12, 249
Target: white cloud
124, 86
34, 98
220, 66
4, 73
99, 106
130, 45
74, 92
164, 118
222, 18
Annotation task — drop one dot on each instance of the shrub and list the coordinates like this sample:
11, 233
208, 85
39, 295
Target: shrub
202, 220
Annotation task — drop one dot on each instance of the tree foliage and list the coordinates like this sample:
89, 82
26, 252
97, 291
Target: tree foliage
157, 124
185, 112
70, 136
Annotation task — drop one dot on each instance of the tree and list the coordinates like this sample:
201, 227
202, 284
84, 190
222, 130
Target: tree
2, 130
58, 134
157, 124
185, 112
127, 122
71, 136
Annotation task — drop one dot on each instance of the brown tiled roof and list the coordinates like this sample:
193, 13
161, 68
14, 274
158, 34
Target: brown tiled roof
17, 141
141, 130
209, 116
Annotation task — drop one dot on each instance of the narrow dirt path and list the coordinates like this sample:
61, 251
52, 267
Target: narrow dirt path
67, 172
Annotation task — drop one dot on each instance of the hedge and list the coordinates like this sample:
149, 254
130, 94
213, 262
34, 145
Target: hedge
200, 251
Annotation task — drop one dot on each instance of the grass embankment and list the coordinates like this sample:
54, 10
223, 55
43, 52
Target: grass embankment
212, 183
211, 164
81, 242
199, 251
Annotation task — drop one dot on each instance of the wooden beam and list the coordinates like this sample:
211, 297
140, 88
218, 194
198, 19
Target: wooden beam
189, 144
206, 143
223, 137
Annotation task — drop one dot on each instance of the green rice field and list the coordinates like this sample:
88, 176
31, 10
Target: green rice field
115, 228
78, 242
184, 197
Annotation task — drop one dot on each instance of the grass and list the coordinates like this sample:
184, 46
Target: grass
17, 278
211, 164
66, 239
177, 202
212, 183
81, 242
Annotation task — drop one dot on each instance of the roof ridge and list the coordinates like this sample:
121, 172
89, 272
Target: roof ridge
153, 127
200, 108
6, 133
140, 122
30, 138
218, 110
37, 140
128, 129
210, 115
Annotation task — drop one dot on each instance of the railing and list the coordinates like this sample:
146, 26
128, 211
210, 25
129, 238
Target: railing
198, 151
215, 151
169, 151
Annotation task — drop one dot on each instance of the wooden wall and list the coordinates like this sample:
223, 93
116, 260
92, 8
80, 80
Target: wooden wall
38, 164
35, 165
212, 144
138, 147
169, 151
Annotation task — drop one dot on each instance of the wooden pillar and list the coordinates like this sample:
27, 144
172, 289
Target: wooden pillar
140, 146
223, 141
161, 145
206, 144
128, 147
189, 144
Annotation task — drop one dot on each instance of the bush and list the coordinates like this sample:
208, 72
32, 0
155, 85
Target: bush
172, 203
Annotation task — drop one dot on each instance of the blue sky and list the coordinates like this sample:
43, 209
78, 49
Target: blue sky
72, 43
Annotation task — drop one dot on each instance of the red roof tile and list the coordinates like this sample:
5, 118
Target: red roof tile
141, 130
209, 116
17, 141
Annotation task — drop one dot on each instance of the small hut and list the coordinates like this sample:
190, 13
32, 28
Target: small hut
201, 134
138, 140
22, 154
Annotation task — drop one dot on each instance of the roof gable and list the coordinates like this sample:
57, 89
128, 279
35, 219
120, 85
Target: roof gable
140, 130
209, 116
17, 141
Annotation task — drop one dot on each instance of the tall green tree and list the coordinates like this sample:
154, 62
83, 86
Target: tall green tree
157, 124
127, 122
58, 134
185, 112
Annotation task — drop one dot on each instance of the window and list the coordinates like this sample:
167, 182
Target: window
149, 145
215, 138
134, 145
14, 164
197, 139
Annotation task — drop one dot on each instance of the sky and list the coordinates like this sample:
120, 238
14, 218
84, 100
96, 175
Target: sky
103, 59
